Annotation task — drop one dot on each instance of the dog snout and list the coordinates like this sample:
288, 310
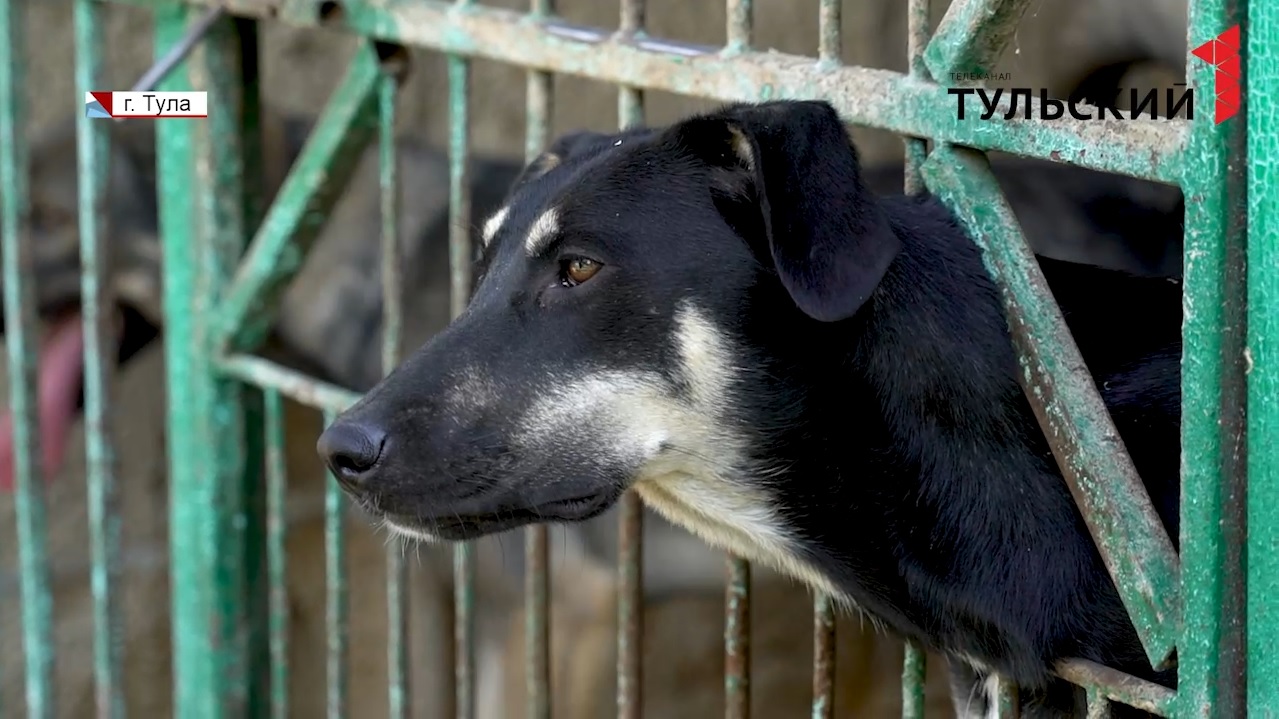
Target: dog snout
352, 450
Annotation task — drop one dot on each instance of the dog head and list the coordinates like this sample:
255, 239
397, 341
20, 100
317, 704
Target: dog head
638, 300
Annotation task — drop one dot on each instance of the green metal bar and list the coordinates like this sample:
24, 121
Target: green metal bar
20, 336
1211, 653
203, 225
337, 624
397, 624
914, 674
972, 36
99, 361
537, 585
316, 181
1136, 549
277, 554
823, 657
460, 260
1261, 78
737, 639
1007, 703
864, 96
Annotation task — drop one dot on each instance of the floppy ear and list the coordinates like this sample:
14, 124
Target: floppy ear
830, 241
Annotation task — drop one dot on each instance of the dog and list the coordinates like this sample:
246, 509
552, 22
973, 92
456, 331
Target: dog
720, 316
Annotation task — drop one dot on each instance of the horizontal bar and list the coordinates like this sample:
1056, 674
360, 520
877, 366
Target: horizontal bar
1151, 149
1118, 686
295, 385
313, 186
1089, 450
972, 36
21, 338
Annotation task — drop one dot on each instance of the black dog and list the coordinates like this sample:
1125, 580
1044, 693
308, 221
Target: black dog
722, 317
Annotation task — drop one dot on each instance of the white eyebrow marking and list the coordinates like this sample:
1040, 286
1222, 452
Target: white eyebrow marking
542, 231
494, 224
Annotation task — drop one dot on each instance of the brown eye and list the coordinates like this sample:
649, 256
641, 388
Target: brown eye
579, 270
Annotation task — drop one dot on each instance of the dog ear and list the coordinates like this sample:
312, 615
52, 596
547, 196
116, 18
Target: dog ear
828, 237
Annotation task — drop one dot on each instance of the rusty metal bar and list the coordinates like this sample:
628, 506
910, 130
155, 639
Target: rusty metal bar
864, 96
737, 640
1118, 686
741, 25
537, 619
20, 340
823, 657
830, 34
1098, 707
96, 304
337, 624
276, 552
290, 383
972, 36
630, 547
1120, 517
397, 596
459, 79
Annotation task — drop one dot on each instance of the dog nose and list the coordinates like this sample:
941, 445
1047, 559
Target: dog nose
351, 450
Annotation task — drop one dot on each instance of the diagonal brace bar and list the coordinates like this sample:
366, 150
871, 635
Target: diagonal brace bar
1105, 484
313, 186
972, 36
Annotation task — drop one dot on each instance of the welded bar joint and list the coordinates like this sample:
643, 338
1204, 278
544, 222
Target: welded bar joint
313, 185
972, 36
1110, 495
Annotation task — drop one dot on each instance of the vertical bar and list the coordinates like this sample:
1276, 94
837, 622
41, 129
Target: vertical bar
203, 226
20, 334
1211, 653
337, 594
741, 25
277, 557
630, 608
914, 661
397, 625
1007, 704
1098, 707
99, 360
823, 657
914, 674
1261, 78
737, 640
830, 48
536, 561
630, 548
460, 258
917, 39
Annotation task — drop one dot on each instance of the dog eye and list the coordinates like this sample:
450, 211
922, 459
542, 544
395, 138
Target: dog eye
578, 270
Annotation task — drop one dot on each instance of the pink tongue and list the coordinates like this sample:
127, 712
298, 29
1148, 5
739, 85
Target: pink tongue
61, 369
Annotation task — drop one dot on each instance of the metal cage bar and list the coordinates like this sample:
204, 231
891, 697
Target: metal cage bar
1195, 601
1261, 80
277, 556
20, 337
537, 588
397, 573
99, 363
337, 619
